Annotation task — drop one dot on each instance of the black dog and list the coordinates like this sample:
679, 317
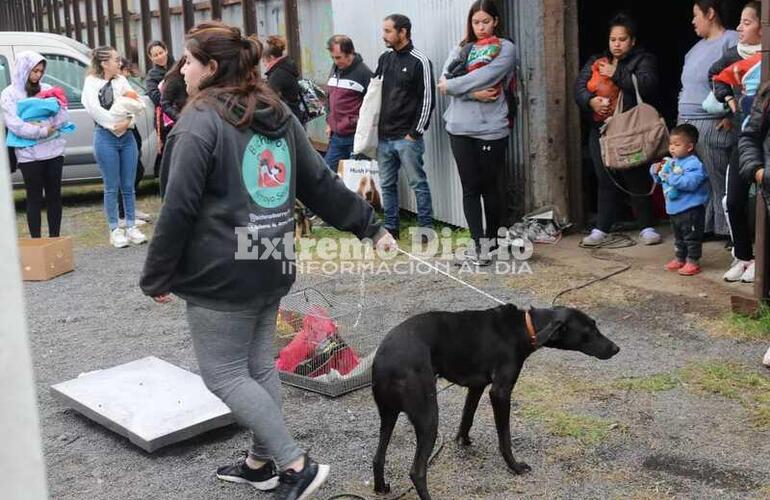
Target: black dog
472, 349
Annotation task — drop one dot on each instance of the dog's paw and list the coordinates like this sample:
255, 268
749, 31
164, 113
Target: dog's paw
382, 489
520, 468
462, 440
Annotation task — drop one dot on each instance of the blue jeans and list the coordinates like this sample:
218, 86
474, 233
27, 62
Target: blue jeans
393, 154
117, 157
340, 148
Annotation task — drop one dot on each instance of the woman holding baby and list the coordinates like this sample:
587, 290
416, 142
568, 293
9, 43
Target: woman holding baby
109, 100
597, 92
475, 77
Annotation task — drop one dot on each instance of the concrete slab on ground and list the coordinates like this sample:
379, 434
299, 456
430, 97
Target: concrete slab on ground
150, 401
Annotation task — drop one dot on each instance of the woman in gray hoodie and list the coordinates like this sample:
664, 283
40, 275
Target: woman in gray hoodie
477, 120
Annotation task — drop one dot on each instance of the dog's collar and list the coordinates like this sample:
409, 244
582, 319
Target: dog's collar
530, 330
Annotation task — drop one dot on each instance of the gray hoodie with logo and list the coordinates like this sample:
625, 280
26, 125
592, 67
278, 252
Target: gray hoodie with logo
469, 117
225, 234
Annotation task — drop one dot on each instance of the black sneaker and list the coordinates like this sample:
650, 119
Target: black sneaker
264, 479
301, 485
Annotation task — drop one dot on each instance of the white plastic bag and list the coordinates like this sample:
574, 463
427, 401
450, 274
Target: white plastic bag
365, 142
363, 177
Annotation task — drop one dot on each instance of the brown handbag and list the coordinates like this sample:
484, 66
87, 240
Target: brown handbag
635, 137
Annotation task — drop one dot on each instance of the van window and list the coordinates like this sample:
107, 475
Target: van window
5, 74
67, 73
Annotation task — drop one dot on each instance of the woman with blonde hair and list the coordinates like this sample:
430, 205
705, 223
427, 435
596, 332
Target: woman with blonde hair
115, 148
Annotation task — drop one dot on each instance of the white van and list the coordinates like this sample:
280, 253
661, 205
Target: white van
67, 63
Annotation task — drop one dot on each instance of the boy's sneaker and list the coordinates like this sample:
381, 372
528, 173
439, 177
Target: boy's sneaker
674, 265
264, 479
736, 271
118, 238
748, 276
301, 485
766, 360
650, 236
594, 239
135, 236
689, 269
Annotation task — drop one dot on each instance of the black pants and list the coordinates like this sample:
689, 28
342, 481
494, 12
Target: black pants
139, 173
479, 163
39, 177
635, 180
688, 233
737, 210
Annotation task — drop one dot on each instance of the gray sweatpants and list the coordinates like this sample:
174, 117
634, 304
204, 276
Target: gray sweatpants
235, 357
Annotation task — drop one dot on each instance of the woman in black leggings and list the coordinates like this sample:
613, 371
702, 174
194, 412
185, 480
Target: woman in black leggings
41, 162
474, 76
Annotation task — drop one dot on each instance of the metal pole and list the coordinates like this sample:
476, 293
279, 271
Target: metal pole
57, 17
49, 13
76, 18
188, 14
67, 19
291, 14
37, 15
762, 247
165, 24
125, 19
144, 7
100, 22
90, 23
111, 14
249, 17
216, 9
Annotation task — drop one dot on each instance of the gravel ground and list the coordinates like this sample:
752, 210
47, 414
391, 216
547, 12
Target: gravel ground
678, 442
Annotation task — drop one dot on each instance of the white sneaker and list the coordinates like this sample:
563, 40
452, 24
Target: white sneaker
596, 238
135, 236
748, 276
118, 238
650, 236
766, 361
737, 270
142, 216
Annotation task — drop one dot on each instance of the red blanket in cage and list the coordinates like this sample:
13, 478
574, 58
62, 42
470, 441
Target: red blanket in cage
317, 348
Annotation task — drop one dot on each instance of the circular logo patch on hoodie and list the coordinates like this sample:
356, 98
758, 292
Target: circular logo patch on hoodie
266, 171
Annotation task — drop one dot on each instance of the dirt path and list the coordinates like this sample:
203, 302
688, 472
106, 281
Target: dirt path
678, 413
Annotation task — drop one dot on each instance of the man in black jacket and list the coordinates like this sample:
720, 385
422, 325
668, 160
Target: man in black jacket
408, 100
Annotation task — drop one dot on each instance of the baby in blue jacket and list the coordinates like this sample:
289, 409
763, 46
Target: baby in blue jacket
686, 189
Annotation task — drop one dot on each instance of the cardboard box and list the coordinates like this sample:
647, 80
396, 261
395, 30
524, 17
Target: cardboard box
45, 258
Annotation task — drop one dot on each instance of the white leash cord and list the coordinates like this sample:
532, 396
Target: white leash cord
468, 285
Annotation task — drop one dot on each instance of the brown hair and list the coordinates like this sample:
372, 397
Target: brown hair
98, 56
156, 43
276, 45
756, 6
488, 6
343, 41
33, 89
236, 88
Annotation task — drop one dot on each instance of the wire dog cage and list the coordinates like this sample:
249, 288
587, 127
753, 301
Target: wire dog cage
326, 345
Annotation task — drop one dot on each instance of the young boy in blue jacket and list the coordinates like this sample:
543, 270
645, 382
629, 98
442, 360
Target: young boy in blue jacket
686, 189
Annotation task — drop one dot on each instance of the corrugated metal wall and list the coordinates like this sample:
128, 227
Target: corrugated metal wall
315, 28
437, 26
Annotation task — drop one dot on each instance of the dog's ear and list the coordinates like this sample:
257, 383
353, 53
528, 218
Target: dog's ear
552, 331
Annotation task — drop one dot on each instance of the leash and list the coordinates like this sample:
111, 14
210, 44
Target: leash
455, 278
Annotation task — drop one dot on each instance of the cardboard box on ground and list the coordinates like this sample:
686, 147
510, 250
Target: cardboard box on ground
45, 258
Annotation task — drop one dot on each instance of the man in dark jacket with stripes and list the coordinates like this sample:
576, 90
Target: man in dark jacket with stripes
347, 85
408, 99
